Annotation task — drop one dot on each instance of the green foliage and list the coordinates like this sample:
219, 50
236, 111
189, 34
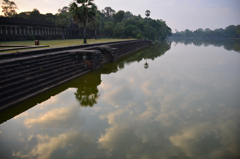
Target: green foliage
32, 37
35, 14
150, 32
83, 14
9, 8
108, 13
104, 23
139, 36
118, 17
119, 30
132, 31
147, 13
229, 32
63, 18
108, 27
128, 15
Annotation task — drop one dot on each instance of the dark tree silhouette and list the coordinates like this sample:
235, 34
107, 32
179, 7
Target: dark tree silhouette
83, 14
9, 8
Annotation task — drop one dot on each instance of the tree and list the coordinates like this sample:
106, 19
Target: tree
9, 8
119, 29
128, 15
147, 13
238, 30
230, 31
63, 18
132, 31
108, 12
118, 17
95, 24
150, 32
35, 14
108, 27
83, 14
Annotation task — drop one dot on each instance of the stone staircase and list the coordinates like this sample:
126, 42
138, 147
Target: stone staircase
28, 73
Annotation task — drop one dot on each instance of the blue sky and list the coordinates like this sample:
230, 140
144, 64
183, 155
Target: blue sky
178, 14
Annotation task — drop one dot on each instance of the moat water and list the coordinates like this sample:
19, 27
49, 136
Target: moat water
177, 99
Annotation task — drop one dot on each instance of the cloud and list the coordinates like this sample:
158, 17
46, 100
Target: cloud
71, 142
119, 95
59, 117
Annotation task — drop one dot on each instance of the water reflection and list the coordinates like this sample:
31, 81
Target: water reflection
185, 105
87, 92
228, 44
146, 65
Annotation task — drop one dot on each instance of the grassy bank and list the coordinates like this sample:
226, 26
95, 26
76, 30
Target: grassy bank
57, 43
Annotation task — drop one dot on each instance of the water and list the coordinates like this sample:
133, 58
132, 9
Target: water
172, 100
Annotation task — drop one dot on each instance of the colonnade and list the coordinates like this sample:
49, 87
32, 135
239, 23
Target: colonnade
30, 30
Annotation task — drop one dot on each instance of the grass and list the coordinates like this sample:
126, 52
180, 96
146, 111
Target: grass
56, 43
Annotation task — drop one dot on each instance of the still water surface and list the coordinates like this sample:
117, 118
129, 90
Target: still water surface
178, 99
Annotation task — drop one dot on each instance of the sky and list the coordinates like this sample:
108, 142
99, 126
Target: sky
178, 14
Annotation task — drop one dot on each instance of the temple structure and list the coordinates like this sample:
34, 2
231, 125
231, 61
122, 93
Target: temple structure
24, 29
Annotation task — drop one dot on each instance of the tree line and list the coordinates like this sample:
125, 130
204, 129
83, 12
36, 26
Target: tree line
230, 31
96, 23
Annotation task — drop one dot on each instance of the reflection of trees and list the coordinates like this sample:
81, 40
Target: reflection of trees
87, 91
228, 44
146, 65
151, 52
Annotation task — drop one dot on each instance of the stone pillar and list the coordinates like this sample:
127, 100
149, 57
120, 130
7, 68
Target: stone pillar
20, 31
10, 30
16, 30
6, 29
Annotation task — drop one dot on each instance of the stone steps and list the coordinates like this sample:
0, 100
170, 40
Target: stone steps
28, 73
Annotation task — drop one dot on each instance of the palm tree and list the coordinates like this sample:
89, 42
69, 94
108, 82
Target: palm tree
83, 14
147, 13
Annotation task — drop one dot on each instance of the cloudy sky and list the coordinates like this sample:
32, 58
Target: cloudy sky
178, 14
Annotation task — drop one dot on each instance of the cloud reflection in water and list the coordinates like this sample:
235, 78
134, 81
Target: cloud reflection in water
182, 106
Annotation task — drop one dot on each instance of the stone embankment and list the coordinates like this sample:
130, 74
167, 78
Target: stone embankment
27, 73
